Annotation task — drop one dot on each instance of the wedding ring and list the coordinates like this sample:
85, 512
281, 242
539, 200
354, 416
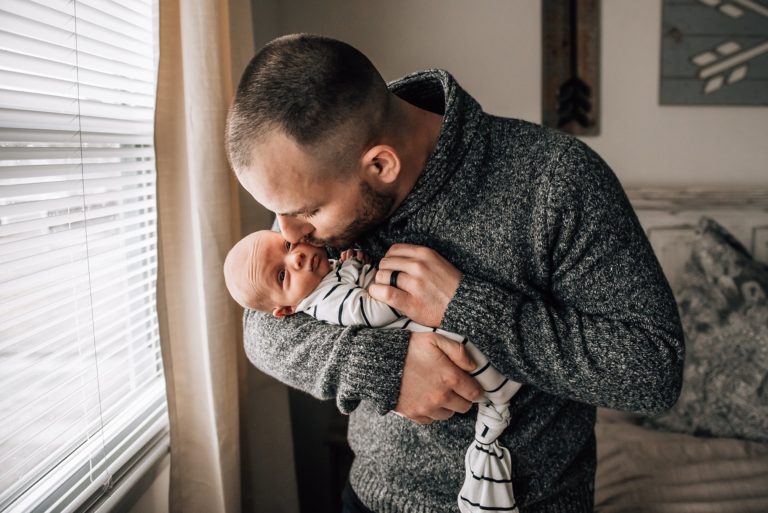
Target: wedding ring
393, 279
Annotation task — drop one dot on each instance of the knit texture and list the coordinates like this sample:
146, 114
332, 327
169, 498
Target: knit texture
561, 291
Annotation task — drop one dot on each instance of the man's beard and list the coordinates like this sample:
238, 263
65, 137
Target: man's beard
376, 206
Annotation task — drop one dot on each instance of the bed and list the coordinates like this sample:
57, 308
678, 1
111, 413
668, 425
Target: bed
710, 453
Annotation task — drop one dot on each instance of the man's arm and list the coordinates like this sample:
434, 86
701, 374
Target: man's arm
423, 376
607, 331
434, 381
349, 364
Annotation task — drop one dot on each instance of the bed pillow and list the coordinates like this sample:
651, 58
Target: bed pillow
724, 311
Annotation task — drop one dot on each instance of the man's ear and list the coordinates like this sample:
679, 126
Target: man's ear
382, 163
282, 311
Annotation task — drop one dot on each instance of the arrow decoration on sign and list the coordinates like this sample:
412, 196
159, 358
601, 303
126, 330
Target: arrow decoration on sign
573, 95
570, 65
714, 52
736, 8
727, 64
573, 103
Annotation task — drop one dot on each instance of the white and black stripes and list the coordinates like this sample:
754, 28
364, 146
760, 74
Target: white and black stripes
485, 478
341, 306
480, 370
362, 311
488, 466
479, 506
342, 297
364, 277
328, 294
488, 482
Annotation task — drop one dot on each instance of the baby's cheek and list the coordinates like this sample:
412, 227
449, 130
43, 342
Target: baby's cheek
311, 284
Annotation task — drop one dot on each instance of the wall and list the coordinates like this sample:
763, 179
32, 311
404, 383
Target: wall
493, 48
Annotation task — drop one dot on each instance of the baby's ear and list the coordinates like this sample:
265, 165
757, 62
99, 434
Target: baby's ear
282, 311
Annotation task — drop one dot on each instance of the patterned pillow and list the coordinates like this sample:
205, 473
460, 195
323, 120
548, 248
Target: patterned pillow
724, 311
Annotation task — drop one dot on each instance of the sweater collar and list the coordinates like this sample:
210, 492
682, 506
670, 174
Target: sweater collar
436, 90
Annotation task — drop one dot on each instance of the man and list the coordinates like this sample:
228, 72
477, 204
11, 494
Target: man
514, 235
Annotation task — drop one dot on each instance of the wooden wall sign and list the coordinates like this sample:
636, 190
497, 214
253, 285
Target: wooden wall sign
714, 52
571, 65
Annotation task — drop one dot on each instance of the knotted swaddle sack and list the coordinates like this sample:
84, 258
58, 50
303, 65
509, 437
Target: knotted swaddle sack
488, 465
488, 480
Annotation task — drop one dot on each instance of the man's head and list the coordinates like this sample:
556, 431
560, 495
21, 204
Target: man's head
306, 136
322, 93
265, 272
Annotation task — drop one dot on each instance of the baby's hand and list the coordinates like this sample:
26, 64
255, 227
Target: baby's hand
346, 255
357, 254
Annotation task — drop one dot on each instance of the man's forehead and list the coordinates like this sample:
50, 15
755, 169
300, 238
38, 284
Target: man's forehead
282, 181
277, 191
278, 155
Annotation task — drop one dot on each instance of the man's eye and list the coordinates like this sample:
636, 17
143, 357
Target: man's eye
281, 276
311, 214
287, 246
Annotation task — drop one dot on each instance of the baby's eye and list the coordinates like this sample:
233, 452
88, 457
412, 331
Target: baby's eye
287, 246
311, 214
281, 276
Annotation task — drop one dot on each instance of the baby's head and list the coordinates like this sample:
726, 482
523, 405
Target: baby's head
265, 272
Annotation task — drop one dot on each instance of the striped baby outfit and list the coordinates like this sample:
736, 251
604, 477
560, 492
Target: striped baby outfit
342, 298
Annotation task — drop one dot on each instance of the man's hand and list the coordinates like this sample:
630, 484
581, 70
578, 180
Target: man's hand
435, 382
425, 285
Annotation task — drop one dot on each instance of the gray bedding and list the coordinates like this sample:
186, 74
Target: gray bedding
646, 471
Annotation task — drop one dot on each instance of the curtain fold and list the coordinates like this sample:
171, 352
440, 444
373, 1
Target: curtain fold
230, 423
198, 221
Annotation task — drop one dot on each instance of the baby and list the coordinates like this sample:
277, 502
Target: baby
265, 272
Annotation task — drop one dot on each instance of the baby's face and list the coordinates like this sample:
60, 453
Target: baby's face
288, 273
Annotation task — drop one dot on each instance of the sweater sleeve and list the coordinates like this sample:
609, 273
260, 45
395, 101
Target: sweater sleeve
349, 364
606, 330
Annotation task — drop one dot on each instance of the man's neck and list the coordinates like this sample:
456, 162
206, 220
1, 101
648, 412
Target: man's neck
417, 131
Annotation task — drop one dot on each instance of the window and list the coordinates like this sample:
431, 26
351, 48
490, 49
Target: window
80, 369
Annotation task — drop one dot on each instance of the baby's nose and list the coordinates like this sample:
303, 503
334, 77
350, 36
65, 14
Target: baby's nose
297, 258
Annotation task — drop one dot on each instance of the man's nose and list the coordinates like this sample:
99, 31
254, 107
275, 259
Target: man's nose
294, 230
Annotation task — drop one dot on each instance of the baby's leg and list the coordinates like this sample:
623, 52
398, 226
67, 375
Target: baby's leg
488, 475
498, 389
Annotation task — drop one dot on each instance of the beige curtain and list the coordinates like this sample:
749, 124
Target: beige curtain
196, 213
229, 424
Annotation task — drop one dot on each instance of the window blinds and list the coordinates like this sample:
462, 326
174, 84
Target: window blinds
80, 369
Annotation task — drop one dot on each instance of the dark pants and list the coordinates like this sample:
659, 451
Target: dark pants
350, 503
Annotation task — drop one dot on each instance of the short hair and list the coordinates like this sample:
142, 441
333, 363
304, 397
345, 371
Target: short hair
318, 90
237, 266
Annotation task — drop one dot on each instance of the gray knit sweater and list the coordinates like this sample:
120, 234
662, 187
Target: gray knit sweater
560, 290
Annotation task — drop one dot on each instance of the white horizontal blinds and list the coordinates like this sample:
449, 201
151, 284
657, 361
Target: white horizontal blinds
79, 350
